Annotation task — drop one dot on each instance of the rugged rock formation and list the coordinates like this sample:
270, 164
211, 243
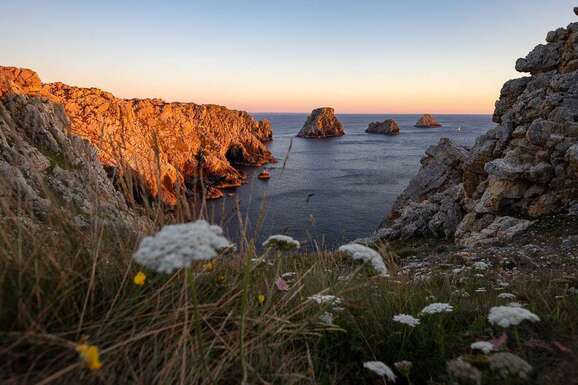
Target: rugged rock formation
322, 123
167, 145
427, 121
387, 127
525, 168
44, 171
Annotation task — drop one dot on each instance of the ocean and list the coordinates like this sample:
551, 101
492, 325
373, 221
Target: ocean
325, 192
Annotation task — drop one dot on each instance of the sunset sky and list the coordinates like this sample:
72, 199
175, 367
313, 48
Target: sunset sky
284, 56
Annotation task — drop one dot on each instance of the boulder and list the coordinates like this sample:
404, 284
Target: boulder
321, 123
387, 127
502, 229
427, 121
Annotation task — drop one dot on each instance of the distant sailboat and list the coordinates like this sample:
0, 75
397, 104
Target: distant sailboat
460, 129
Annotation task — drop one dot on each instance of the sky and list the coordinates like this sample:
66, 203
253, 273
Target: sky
364, 56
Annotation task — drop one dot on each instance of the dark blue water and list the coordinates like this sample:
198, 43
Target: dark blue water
334, 190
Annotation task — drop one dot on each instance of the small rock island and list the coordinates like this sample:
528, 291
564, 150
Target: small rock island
427, 121
321, 123
387, 127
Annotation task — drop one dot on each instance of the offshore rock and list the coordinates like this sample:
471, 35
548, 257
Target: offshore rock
169, 147
387, 127
427, 121
525, 167
321, 123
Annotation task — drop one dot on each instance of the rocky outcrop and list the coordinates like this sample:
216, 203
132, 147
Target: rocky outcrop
44, 171
387, 127
171, 147
322, 123
524, 168
427, 121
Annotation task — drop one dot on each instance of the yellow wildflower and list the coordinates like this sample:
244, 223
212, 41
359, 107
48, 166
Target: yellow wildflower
139, 279
261, 299
221, 279
209, 266
90, 355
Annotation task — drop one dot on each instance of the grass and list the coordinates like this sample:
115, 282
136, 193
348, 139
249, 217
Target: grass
65, 285
229, 323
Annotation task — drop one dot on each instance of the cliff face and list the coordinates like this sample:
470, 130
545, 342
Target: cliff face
524, 168
44, 171
167, 145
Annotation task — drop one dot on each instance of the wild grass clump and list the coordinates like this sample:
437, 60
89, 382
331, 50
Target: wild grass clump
77, 309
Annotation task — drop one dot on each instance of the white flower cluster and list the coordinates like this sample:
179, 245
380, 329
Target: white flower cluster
325, 299
404, 366
435, 308
326, 318
281, 242
508, 296
380, 369
177, 246
483, 346
506, 316
508, 364
406, 319
481, 265
365, 254
464, 371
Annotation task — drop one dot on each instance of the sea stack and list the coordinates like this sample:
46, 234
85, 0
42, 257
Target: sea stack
427, 121
321, 123
387, 127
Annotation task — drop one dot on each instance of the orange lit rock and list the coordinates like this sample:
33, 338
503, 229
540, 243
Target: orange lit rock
427, 121
168, 145
322, 123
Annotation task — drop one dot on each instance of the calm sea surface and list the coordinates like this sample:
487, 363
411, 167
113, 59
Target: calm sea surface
335, 190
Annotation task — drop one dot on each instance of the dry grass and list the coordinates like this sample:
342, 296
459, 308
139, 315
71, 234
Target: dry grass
63, 285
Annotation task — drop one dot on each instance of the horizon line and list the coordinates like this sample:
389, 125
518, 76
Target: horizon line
370, 113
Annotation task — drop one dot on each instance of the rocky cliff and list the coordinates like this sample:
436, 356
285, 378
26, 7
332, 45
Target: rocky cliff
321, 123
44, 171
168, 146
525, 168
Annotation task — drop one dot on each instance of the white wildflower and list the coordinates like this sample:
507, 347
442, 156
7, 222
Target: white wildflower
508, 364
435, 308
365, 254
481, 265
177, 246
506, 316
516, 304
483, 346
406, 319
404, 366
282, 242
325, 299
380, 369
506, 296
326, 318
464, 371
